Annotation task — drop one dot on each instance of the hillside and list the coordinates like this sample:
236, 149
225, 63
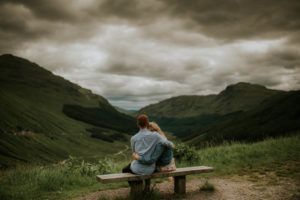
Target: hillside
242, 112
276, 116
44, 117
237, 97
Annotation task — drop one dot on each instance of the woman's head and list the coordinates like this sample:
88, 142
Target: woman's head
154, 127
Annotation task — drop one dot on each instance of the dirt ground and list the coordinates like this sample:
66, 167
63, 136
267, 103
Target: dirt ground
237, 187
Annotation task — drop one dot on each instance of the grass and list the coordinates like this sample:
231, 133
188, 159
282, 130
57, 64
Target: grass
40, 149
280, 156
50, 182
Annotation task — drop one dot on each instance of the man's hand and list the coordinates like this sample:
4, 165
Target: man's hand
135, 156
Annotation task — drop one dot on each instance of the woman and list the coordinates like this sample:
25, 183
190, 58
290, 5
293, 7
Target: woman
162, 155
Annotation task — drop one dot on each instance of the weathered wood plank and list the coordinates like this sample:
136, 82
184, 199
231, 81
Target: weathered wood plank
109, 178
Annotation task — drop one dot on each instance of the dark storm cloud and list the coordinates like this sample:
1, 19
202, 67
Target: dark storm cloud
224, 19
287, 58
14, 29
58, 10
121, 8
235, 19
155, 49
149, 59
277, 68
26, 21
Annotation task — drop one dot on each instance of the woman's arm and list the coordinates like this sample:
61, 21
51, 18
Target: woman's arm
164, 141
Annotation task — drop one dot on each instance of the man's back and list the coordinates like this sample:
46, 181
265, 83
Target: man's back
144, 143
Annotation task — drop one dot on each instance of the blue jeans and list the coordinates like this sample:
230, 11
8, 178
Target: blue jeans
166, 155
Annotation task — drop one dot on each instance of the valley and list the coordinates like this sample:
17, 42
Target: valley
242, 112
55, 136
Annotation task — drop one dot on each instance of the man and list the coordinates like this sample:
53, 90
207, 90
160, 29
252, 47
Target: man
143, 143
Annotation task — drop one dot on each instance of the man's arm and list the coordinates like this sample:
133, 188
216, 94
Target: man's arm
159, 148
153, 158
143, 160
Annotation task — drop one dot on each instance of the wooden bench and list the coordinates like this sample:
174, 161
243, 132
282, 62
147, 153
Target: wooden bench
136, 181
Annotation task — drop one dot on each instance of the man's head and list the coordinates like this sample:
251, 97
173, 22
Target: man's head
143, 121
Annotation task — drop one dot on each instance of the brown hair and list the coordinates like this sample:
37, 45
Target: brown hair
143, 121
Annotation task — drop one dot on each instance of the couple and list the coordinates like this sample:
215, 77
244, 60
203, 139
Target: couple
152, 151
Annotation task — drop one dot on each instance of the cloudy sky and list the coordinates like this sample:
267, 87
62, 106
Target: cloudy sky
136, 52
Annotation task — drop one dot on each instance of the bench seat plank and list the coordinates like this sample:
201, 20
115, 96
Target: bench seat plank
110, 178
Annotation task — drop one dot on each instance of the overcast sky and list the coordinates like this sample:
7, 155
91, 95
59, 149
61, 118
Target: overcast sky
137, 52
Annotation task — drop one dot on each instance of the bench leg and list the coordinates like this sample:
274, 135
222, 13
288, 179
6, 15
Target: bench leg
147, 185
179, 185
136, 188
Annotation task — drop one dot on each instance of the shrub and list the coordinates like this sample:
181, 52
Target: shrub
88, 169
183, 152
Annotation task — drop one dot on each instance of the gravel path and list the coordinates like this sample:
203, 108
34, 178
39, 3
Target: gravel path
239, 188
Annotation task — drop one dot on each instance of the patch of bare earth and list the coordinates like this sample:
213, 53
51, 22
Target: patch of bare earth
24, 133
237, 187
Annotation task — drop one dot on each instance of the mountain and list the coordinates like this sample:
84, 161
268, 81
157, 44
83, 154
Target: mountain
241, 112
237, 97
276, 116
44, 117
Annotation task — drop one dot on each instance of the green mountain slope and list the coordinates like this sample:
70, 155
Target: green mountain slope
238, 97
278, 115
243, 112
33, 126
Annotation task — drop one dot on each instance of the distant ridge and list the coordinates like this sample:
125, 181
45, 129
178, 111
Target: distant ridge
241, 112
276, 116
127, 112
237, 97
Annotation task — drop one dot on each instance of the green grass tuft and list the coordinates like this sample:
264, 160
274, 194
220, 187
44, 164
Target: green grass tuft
73, 179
